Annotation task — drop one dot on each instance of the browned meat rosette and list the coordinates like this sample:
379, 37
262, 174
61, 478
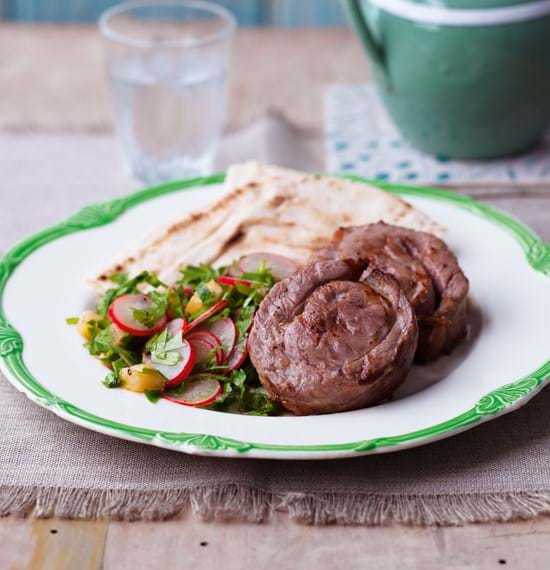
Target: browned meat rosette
324, 341
426, 270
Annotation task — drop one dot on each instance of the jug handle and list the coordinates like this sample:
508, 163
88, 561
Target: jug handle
361, 28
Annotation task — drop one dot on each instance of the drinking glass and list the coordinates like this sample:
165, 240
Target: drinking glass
167, 63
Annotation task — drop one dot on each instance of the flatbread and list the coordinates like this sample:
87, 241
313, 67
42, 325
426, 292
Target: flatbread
267, 209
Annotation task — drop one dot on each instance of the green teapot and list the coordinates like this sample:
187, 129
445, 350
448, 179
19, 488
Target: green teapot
460, 78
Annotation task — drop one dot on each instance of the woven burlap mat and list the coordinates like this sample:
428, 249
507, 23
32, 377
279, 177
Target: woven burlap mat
48, 466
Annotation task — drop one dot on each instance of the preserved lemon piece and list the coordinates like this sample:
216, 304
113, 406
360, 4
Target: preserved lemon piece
215, 288
141, 377
204, 295
83, 325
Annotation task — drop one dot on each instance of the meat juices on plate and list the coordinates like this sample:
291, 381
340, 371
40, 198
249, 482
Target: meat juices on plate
323, 341
426, 270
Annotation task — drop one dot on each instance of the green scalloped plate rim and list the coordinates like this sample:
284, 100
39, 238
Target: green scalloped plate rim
500, 401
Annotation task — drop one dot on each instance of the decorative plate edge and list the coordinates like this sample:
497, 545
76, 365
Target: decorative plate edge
495, 403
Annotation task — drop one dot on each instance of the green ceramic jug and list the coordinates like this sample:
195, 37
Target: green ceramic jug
460, 78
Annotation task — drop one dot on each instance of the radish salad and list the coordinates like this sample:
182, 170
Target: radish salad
185, 342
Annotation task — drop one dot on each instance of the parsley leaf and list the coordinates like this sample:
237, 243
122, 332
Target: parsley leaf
112, 380
177, 299
119, 278
204, 293
153, 395
163, 348
244, 322
148, 317
126, 286
127, 357
102, 341
242, 394
193, 275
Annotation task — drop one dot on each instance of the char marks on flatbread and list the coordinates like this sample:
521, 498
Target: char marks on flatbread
270, 209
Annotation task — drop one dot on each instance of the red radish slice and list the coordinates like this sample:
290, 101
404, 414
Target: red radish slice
238, 356
203, 347
121, 312
212, 340
212, 311
281, 267
205, 335
177, 373
199, 392
231, 281
176, 326
226, 331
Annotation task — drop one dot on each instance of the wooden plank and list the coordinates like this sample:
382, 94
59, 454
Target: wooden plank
66, 545
27, 544
15, 543
189, 543
193, 544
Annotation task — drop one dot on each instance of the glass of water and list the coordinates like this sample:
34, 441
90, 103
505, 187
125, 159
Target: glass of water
167, 62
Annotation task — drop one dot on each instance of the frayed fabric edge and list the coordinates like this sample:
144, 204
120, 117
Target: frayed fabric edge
249, 504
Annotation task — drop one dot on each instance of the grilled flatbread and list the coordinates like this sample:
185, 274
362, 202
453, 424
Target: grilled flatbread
267, 209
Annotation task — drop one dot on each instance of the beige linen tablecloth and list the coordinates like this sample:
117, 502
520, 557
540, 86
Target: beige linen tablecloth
48, 466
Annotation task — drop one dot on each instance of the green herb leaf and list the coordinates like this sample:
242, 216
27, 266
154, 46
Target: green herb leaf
129, 358
102, 341
153, 395
119, 278
72, 320
193, 275
204, 293
149, 317
118, 365
126, 286
112, 380
163, 347
177, 299
246, 316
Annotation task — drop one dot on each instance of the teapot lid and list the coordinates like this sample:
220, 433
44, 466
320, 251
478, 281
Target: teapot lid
472, 4
465, 12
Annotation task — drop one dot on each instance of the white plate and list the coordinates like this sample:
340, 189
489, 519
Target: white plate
503, 363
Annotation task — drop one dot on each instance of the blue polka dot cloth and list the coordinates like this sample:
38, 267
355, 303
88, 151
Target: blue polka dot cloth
361, 139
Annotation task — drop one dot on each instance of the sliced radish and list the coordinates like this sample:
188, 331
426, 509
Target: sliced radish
201, 318
177, 373
176, 326
226, 331
121, 312
188, 291
238, 356
231, 281
204, 346
199, 392
207, 336
281, 267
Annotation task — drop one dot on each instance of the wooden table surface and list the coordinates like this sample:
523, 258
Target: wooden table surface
51, 79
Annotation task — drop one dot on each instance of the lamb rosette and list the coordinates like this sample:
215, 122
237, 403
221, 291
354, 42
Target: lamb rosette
425, 269
324, 341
